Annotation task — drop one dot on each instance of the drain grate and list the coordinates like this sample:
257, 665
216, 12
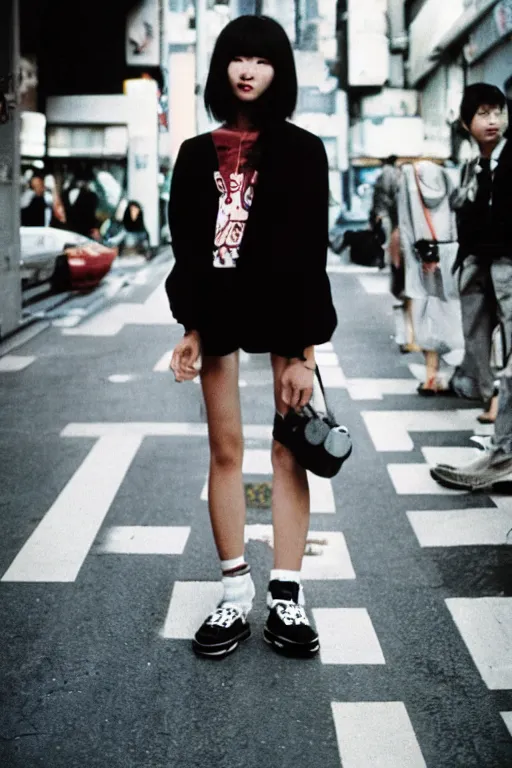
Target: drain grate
258, 495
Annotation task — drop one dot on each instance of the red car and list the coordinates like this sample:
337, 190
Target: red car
88, 263
66, 259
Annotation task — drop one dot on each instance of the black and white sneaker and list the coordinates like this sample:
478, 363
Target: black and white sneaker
288, 629
221, 632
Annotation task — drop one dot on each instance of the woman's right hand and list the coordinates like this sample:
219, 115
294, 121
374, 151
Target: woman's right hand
185, 362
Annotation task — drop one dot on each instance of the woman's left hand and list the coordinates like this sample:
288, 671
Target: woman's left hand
297, 385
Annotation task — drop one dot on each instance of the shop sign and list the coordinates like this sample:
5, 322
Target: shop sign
143, 35
494, 27
503, 17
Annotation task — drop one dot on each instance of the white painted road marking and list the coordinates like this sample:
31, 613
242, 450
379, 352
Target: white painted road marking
154, 311
463, 527
377, 285
376, 735
389, 430
375, 389
485, 625
146, 540
414, 479
13, 363
507, 717
191, 602
327, 556
155, 429
59, 545
347, 636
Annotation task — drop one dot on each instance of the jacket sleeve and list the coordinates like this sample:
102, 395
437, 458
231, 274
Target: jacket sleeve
316, 316
180, 285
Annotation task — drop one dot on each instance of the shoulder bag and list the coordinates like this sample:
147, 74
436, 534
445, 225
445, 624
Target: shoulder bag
316, 440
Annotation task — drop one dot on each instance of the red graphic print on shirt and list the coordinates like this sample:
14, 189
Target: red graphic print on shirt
235, 182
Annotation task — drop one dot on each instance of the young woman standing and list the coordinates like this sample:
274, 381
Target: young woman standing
248, 214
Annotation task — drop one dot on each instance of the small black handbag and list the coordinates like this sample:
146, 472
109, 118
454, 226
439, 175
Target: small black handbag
317, 441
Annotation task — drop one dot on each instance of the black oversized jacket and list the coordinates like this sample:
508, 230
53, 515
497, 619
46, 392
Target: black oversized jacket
279, 287
486, 234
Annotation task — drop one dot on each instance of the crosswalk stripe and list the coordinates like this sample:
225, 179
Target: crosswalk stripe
375, 389
145, 540
414, 479
507, 717
59, 545
485, 625
462, 527
347, 636
327, 359
377, 285
258, 462
376, 734
191, 602
154, 311
455, 456
155, 429
327, 556
389, 430
13, 363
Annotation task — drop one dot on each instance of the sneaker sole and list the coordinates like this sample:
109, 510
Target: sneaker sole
482, 486
287, 648
222, 650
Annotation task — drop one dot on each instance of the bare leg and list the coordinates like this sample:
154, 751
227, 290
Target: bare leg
219, 379
432, 365
290, 494
411, 345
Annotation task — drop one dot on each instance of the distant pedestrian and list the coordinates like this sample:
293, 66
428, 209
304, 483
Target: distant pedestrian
385, 199
428, 235
80, 203
135, 233
484, 207
36, 203
484, 202
248, 215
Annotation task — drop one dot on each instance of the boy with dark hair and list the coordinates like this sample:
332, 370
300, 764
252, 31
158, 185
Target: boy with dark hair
484, 206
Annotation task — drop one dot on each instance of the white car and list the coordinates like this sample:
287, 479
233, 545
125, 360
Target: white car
41, 248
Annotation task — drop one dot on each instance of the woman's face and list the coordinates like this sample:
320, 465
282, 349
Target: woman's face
250, 77
134, 212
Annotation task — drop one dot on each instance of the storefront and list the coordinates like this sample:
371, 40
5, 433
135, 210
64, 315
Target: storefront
489, 49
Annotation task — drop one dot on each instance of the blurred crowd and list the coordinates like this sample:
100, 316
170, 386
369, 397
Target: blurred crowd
76, 209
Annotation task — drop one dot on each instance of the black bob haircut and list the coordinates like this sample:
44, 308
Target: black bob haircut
475, 96
252, 36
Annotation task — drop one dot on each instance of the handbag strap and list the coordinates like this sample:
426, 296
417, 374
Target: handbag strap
322, 389
426, 212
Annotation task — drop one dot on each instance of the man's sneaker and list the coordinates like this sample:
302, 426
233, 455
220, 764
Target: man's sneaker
288, 629
491, 468
221, 632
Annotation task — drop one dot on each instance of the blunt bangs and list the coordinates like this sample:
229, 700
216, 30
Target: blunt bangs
478, 95
252, 36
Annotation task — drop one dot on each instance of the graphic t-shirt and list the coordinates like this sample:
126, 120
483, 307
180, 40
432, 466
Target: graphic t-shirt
235, 181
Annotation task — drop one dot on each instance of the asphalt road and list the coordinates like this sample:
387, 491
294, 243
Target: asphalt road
107, 560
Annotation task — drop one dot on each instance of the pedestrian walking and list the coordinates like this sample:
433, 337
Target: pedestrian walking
483, 204
248, 215
428, 235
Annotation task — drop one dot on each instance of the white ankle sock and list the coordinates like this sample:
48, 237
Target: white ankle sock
283, 575
239, 590
235, 562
